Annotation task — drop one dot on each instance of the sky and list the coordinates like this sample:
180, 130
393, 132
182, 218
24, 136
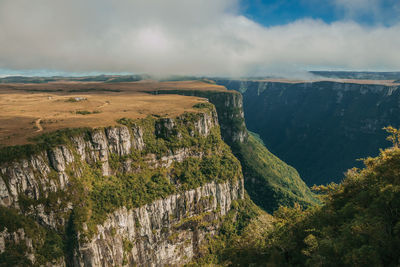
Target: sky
204, 37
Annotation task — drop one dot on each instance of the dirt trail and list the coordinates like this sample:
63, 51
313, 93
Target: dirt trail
25, 115
103, 105
37, 123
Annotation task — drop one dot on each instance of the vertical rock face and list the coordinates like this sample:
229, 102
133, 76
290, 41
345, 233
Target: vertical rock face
266, 185
168, 231
165, 128
205, 123
31, 177
229, 106
233, 118
39, 193
119, 140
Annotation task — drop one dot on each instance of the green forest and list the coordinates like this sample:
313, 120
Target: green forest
356, 224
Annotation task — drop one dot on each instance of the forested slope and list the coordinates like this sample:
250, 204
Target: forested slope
358, 223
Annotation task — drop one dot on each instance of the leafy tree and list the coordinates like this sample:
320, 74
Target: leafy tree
358, 223
394, 136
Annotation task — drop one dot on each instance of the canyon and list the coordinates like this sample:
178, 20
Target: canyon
146, 190
321, 128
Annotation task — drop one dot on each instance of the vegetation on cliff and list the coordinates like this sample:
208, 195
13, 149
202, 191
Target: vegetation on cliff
320, 128
237, 225
47, 244
94, 196
229, 109
271, 182
357, 225
40, 143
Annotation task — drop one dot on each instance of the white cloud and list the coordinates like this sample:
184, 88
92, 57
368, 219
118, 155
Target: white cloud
354, 6
385, 12
207, 37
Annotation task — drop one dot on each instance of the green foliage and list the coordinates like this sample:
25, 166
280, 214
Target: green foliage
182, 135
153, 144
61, 137
14, 255
134, 190
218, 167
83, 112
46, 243
12, 220
204, 105
160, 145
394, 136
40, 143
94, 196
269, 181
319, 128
102, 195
75, 99
11, 153
226, 104
127, 245
52, 248
130, 191
115, 161
86, 112
358, 224
222, 249
193, 223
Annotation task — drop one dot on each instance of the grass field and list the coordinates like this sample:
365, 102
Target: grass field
27, 110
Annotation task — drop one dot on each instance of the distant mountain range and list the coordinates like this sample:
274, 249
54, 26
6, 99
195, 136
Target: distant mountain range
98, 78
138, 77
364, 75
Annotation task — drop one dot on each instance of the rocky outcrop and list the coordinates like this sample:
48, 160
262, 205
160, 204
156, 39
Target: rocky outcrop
165, 232
17, 237
229, 105
46, 172
268, 180
168, 230
21, 177
165, 128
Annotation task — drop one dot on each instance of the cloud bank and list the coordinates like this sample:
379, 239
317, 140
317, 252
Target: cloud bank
207, 37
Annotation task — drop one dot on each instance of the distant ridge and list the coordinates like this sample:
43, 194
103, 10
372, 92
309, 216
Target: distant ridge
364, 75
97, 78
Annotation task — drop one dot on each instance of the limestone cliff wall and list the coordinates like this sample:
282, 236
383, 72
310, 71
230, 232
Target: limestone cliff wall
165, 232
41, 189
229, 106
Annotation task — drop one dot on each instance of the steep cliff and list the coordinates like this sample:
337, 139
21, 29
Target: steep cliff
229, 106
320, 128
147, 192
269, 181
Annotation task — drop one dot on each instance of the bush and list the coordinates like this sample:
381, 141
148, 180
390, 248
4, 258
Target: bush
40, 143
83, 112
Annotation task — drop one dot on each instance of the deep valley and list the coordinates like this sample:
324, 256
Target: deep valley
321, 128
153, 173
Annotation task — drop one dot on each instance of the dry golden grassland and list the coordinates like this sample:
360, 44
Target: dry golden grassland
27, 110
